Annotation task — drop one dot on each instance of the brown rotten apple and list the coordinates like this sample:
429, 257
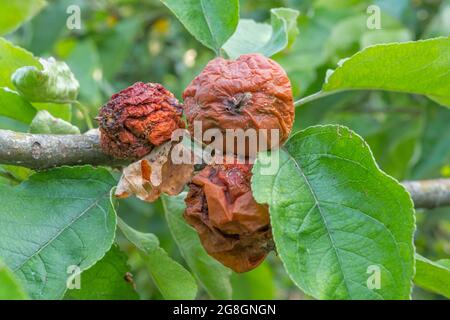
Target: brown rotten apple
137, 119
232, 226
252, 92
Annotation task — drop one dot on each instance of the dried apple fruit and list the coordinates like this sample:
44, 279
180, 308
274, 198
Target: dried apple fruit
137, 119
232, 226
252, 92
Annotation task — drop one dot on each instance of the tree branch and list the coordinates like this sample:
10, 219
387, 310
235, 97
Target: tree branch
43, 151
429, 193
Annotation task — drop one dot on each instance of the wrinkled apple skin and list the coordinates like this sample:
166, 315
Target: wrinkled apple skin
137, 119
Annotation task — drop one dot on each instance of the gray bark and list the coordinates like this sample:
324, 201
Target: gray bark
429, 193
43, 151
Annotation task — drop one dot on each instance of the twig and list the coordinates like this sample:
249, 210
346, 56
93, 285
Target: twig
41, 151
429, 193
310, 98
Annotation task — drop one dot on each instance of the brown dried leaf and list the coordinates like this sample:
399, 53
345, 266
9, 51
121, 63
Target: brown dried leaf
154, 174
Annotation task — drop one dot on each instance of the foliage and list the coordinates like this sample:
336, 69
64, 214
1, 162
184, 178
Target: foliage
11, 288
214, 277
174, 281
423, 69
54, 83
44, 122
108, 279
252, 36
54, 220
339, 205
211, 22
22, 9
434, 276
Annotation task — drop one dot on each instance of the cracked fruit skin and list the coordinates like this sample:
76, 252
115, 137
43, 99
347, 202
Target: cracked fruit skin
137, 119
232, 226
252, 92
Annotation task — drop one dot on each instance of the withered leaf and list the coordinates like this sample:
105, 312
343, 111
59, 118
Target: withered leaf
154, 174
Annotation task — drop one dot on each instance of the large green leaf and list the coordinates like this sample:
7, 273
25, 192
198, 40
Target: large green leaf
212, 275
420, 67
15, 107
12, 58
251, 36
15, 12
10, 287
433, 276
336, 216
44, 122
54, 83
172, 279
106, 280
54, 220
210, 22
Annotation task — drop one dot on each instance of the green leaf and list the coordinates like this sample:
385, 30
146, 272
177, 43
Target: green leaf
444, 262
58, 110
5, 180
56, 219
19, 173
212, 275
335, 216
146, 242
44, 122
54, 83
15, 12
284, 23
210, 22
251, 36
433, 276
12, 58
257, 284
10, 287
15, 107
106, 280
172, 279
444, 101
419, 67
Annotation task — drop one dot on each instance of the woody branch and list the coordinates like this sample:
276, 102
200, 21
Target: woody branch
43, 151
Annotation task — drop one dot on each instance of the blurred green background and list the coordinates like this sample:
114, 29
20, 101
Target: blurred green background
124, 41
